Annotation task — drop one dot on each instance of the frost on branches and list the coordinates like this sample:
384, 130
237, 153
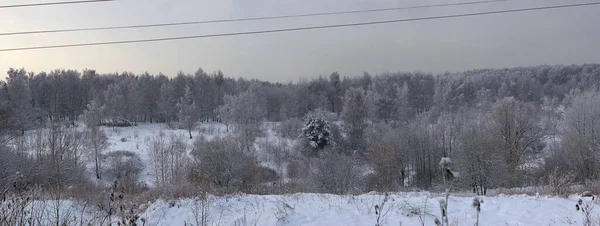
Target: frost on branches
445, 163
317, 130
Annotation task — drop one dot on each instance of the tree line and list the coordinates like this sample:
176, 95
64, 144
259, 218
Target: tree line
494, 123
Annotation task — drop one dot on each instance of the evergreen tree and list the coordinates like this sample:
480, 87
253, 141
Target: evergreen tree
317, 131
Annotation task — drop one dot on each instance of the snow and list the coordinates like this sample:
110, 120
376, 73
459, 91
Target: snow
325, 209
136, 139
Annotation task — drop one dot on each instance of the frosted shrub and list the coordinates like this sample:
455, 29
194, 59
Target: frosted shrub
450, 177
586, 207
125, 168
559, 181
225, 165
382, 209
337, 174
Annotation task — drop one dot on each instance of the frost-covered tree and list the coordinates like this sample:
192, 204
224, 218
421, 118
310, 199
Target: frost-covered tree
115, 103
335, 92
387, 100
482, 167
515, 130
94, 114
19, 96
165, 103
581, 138
245, 112
188, 112
169, 159
134, 98
354, 116
7, 125
97, 140
317, 131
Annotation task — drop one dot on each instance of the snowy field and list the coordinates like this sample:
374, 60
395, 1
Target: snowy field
402, 209
325, 210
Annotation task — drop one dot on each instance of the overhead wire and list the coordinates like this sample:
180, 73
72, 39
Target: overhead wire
251, 18
304, 28
52, 3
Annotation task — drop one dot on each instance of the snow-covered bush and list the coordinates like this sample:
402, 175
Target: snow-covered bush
169, 159
338, 174
560, 181
124, 168
225, 165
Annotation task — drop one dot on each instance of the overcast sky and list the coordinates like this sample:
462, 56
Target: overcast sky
562, 36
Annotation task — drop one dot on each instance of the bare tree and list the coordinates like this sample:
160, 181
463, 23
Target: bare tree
62, 160
482, 166
515, 130
188, 112
246, 112
581, 145
97, 139
387, 166
169, 159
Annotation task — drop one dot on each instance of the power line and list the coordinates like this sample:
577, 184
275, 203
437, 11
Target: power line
52, 3
251, 18
303, 28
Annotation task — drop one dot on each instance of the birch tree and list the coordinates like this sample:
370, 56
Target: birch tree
188, 112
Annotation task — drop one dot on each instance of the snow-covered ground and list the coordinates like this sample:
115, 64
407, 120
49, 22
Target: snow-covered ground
322, 209
326, 210
402, 209
136, 139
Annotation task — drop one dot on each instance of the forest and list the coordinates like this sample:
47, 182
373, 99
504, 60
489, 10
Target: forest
479, 130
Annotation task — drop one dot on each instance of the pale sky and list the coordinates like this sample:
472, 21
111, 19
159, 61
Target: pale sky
561, 36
